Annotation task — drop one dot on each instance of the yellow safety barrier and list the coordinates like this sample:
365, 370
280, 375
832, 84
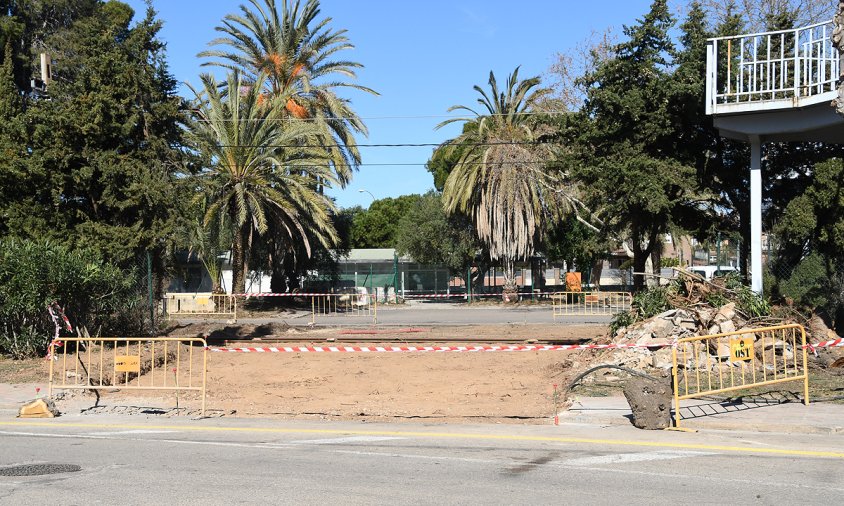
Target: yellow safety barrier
200, 304
707, 365
590, 303
135, 363
350, 304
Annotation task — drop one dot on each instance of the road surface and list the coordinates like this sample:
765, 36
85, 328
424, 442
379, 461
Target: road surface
138, 460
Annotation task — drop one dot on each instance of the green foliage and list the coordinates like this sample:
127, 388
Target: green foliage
500, 179
95, 295
668, 262
807, 285
631, 175
748, 301
571, 241
814, 221
716, 299
377, 227
652, 301
623, 319
99, 158
431, 237
286, 48
445, 158
646, 303
253, 191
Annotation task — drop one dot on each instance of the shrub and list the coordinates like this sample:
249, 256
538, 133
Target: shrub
750, 302
95, 294
814, 286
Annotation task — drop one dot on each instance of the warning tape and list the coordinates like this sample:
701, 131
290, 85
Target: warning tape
432, 296
399, 349
834, 343
475, 348
295, 294
474, 295
55, 311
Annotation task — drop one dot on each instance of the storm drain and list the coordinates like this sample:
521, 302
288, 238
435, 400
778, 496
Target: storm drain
38, 469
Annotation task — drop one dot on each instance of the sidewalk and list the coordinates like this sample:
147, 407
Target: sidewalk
791, 417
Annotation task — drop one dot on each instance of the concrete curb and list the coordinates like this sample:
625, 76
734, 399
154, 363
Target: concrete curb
791, 418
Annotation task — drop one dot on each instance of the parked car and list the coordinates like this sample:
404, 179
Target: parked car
710, 271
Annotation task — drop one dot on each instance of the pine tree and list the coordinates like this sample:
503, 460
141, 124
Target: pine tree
12, 136
632, 174
103, 150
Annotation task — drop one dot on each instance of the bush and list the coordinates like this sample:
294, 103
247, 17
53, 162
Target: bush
815, 287
646, 304
667, 262
96, 295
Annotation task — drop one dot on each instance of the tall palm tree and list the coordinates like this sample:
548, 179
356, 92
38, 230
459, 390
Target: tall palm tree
501, 180
290, 50
258, 172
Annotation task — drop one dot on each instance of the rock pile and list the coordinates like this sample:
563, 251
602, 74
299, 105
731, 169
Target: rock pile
664, 328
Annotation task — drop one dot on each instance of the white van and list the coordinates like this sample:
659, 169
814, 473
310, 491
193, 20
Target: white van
709, 271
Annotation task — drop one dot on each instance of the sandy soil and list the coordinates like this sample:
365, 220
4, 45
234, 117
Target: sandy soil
498, 386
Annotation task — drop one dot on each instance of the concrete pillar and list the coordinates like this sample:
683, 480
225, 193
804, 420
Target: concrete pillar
756, 213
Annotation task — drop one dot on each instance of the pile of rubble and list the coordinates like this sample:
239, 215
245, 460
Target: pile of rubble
661, 330
693, 315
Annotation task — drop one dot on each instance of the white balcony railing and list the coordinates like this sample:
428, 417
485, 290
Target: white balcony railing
771, 70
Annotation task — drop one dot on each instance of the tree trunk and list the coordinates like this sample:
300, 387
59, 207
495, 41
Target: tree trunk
239, 261
510, 288
640, 261
656, 261
291, 273
597, 268
278, 280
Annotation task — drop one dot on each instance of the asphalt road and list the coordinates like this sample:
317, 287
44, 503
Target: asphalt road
134, 460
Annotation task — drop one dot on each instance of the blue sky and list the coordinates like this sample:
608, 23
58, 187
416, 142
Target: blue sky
422, 57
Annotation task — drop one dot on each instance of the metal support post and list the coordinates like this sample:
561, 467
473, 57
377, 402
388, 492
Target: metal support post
756, 213
469, 284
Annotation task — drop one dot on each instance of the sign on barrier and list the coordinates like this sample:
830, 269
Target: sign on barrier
718, 363
137, 363
200, 304
590, 303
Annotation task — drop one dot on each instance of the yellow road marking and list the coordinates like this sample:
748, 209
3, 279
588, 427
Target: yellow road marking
443, 435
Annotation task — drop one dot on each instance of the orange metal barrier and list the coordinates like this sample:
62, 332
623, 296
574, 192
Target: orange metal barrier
590, 303
136, 363
350, 304
200, 304
707, 365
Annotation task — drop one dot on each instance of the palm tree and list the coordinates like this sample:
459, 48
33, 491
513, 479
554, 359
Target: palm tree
501, 180
258, 174
290, 52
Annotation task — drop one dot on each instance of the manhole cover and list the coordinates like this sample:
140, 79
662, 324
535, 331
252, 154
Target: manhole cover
38, 469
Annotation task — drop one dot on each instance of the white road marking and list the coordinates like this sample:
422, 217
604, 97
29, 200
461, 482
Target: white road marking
120, 432
414, 456
345, 440
622, 458
703, 476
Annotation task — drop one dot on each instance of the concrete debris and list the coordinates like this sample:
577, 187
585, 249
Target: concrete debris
39, 408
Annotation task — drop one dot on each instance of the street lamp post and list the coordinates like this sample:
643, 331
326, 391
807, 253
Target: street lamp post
369, 192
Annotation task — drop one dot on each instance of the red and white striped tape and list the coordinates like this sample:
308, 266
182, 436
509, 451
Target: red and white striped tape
473, 348
400, 349
293, 294
431, 296
834, 343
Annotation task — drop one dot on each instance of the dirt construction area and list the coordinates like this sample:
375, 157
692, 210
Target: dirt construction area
493, 386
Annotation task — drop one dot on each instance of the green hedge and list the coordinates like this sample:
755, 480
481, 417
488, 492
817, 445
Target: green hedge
95, 294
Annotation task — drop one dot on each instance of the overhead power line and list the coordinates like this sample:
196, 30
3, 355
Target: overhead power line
417, 164
367, 118
385, 145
